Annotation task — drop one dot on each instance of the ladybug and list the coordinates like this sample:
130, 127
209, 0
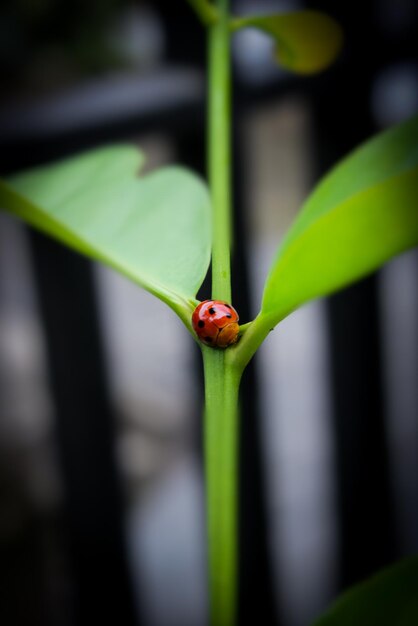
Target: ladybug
216, 323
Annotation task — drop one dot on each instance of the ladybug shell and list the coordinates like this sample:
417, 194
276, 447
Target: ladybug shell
216, 323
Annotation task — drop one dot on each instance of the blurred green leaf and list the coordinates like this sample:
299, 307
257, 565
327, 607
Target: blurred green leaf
363, 212
388, 599
155, 229
306, 41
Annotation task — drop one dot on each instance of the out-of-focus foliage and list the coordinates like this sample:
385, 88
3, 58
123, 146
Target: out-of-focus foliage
306, 41
388, 599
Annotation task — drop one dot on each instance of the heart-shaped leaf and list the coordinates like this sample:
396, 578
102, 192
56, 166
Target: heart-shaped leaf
154, 229
388, 599
363, 213
306, 41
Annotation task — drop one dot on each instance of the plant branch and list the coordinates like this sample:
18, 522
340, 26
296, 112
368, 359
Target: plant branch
255, 332
205, 11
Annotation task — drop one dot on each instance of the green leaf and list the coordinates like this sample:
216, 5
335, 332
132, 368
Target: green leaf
155, 229
306, 41
390, 598
362, 214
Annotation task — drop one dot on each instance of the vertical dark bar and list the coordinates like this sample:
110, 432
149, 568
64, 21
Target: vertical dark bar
22, 568
257, 603
342, 119
365, 502
85, 434
185, 37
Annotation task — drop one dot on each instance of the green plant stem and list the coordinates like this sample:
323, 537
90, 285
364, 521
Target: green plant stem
221, 379
219, 145
221, 433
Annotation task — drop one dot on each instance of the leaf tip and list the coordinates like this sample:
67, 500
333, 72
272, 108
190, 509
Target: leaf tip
320, 43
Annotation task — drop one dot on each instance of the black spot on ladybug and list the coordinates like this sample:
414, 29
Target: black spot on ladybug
200, 323
228, 315
208, 339
211, 310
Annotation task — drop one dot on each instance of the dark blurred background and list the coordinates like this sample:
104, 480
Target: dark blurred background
101, 483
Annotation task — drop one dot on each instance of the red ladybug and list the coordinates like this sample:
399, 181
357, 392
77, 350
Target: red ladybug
216, 323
